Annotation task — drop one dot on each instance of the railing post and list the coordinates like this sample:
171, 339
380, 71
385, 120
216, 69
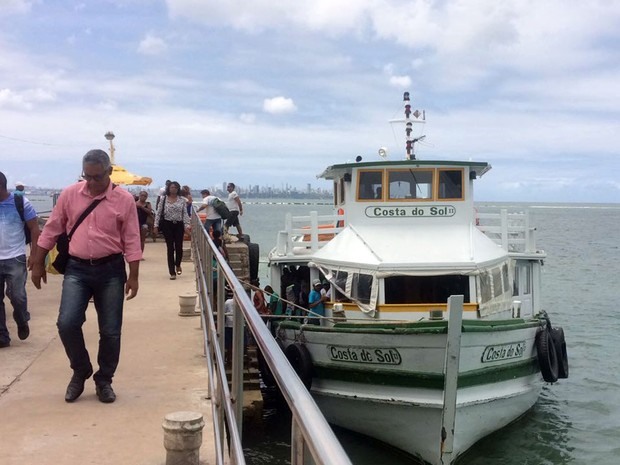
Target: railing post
504, 225
314, 228
451, 373
237, 365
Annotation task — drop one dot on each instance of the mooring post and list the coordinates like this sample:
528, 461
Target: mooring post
183, 437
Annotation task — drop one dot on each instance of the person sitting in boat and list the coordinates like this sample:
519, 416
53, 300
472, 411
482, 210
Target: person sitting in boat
316, 303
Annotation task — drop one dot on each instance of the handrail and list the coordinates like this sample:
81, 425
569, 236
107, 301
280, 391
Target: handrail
309, 428
511, 230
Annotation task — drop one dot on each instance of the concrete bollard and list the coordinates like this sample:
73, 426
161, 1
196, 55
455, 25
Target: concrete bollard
187, 254
183, 437
187, 302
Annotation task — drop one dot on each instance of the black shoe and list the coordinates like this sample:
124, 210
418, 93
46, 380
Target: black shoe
23, 331
76, 386
105, 393
4, 344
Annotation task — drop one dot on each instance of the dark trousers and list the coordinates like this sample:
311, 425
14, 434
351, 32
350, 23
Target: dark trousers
105, 284
173, 233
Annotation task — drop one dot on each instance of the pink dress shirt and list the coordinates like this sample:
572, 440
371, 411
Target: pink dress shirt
111, 228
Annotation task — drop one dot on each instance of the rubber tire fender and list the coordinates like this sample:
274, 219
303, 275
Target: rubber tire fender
557, 334
547, 357
254, 256
298, 356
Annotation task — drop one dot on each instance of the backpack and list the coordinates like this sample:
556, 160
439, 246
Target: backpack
19, 205
221, 208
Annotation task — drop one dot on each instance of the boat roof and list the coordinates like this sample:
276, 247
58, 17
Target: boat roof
335, 171
432, 249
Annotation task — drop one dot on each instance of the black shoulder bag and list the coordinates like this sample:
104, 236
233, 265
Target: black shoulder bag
62, 243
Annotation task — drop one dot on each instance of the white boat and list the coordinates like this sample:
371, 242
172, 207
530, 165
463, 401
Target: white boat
396, 357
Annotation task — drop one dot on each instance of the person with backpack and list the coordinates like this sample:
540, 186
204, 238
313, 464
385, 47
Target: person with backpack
213, 217
18, 226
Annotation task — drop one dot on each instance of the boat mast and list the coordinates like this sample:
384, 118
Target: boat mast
409, 126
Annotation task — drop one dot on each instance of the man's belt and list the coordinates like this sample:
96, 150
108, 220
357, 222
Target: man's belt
96, 261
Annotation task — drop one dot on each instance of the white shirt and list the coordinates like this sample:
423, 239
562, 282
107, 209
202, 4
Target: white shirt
231, 203
229, 308
210, 211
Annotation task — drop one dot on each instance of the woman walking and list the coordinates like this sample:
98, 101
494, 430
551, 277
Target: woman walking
173, 220
145, 211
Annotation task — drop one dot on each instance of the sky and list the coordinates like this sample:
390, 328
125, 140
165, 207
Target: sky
271, 92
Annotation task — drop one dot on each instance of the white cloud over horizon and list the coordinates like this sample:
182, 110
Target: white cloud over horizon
529, 86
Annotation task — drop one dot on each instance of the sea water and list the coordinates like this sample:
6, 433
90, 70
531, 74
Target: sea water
576, 420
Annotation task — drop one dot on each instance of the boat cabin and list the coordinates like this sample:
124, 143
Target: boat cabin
407, 236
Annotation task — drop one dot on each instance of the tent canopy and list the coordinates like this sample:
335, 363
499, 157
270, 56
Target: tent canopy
121, 176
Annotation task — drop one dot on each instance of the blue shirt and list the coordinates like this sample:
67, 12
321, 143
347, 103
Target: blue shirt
12, 239
314, 297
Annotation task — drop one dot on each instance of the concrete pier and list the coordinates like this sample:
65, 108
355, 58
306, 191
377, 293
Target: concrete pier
161, 370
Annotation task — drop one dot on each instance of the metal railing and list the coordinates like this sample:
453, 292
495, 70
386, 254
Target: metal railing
511, 230
306, 234
312, 439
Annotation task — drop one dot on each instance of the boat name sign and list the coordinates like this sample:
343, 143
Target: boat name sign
433, 211
380, 355
503, 352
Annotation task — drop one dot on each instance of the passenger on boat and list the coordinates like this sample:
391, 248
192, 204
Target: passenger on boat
19, 188
259, 301
235, 207
316, 303
275, 307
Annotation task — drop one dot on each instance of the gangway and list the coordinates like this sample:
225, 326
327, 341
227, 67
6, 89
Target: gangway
312, 439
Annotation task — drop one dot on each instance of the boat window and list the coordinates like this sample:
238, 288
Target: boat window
515, 286
497, 282
340, 284
425, 289
361, 287
336, 191
410, 184
486, 291
342, 191
505, 277
450, 184
527, 289
369, 186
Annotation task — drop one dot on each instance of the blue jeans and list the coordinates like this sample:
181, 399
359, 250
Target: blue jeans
216, 223
105, 283
13, 275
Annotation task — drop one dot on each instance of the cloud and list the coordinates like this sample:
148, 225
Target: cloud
24, 100
9, 7
279, 105
248, 118
152, 45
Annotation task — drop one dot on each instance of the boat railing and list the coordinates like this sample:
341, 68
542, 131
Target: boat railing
510, 230
312, 439
306, 234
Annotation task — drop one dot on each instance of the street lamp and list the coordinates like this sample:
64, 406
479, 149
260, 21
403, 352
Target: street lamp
110, 136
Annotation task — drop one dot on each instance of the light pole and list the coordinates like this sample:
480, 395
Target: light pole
110, 136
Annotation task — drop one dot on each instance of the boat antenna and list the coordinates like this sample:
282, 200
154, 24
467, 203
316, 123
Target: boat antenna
409, 125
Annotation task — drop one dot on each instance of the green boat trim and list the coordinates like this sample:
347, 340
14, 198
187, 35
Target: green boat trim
420, 327
392, 378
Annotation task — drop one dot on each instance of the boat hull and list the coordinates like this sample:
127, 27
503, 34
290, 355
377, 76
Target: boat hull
389, 386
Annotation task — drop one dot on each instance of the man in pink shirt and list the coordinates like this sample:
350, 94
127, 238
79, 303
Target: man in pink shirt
96, 269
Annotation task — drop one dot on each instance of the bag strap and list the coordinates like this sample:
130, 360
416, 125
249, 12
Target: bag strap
85, 213
19, 205
83, 216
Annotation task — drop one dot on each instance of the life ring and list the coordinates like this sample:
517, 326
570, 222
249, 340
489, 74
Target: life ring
547, 357
557, 334
299, 358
